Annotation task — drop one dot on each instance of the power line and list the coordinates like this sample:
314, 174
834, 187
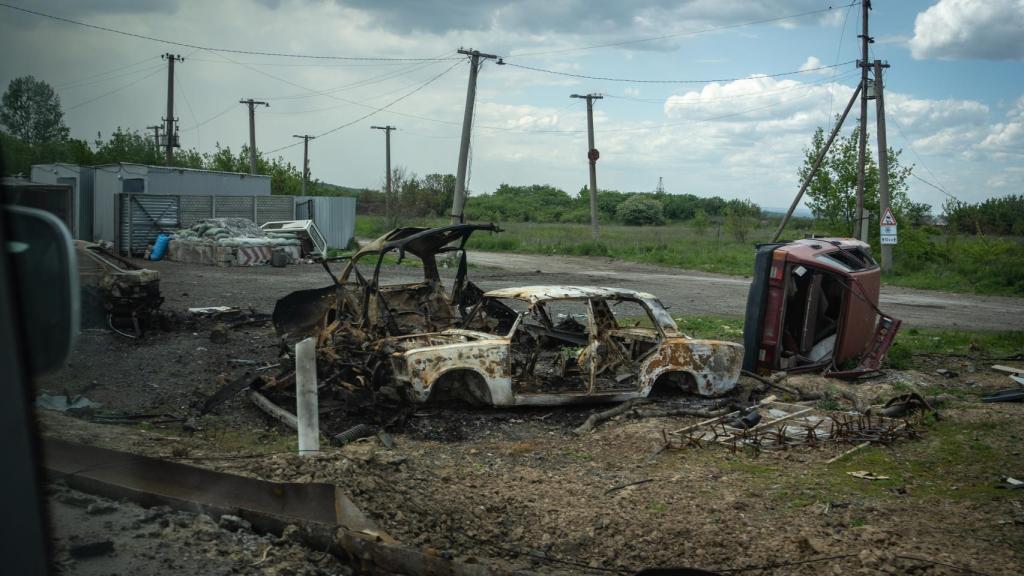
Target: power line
83, 80
681, 34
376, 110
356, 84
670, 81
211, 49
839, 46
210, 119
115, 90
662, 100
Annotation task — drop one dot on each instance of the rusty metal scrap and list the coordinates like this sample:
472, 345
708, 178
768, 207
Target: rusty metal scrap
791, 426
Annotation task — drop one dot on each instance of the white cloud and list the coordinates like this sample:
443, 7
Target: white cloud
970, 29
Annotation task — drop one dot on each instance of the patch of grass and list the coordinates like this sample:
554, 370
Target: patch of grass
656, 507
578, 455
921, 341
712, 327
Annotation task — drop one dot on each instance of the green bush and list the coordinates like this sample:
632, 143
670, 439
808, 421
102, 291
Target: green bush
640, 211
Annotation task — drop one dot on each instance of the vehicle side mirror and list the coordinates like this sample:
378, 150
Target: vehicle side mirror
45, 268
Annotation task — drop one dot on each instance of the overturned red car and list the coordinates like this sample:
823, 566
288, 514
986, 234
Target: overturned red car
813, 305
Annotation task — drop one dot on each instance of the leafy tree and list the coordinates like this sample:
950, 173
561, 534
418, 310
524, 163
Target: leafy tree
701, 221
31, 111
832, 192
127, 147
641, 210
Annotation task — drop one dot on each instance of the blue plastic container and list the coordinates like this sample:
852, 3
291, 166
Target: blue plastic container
160, 247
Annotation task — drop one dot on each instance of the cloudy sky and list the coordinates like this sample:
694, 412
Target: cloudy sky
711, 97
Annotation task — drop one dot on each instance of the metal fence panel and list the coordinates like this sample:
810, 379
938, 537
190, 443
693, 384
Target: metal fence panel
274, 208
233, 206
142, 217
194, 209
335, 216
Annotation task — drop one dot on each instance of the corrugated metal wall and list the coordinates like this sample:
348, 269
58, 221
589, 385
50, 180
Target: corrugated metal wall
141, 217
335, 216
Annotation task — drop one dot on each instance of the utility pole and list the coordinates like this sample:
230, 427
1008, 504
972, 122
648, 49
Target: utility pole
252, 130
388, 208
169, 133
883, 160
459, 201
156, 134
859, 223
592, 156
305, 158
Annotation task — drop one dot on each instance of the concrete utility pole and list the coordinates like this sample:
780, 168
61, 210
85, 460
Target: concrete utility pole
883, 160
592, 155
859, 223
387, 163
169, 133
459, 201
305, 158
156, 134
252, 130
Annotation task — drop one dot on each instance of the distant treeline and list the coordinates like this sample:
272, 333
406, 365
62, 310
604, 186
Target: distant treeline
432, 194
995, 216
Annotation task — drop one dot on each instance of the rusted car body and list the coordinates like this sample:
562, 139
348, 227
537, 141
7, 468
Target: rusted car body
813, 304
418, 341
519, 348
362, 307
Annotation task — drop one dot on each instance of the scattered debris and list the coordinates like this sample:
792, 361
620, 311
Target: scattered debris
213, 310
865, 475
233, 523
788, 426
1011, 483
813, 305
1008, 395
352, 434
65, 404
906, 404
947, 373
1008, 370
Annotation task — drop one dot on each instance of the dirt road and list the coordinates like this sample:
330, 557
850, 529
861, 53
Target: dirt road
684, 291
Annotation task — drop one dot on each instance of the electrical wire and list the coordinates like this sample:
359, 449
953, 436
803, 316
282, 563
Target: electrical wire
212, 49
839, 46
309, 93
670, 81
375, 110
210, 119
83, 81
681, 34
115, 90
802, 85
177, 85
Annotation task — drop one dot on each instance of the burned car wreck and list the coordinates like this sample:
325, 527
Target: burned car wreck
416, 342
813, 305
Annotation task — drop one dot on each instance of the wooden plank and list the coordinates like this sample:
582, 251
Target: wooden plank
1007, 369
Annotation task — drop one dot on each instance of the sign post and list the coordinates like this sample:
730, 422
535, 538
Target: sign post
888, 228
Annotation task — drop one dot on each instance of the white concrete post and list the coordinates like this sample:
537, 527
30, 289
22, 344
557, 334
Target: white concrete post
306, 399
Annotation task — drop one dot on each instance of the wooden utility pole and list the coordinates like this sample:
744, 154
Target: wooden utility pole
252, 130
156, 134
859, 223
305, 158
592, 156
459, 200
883, 160
170, 134
817, 164
388, 208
